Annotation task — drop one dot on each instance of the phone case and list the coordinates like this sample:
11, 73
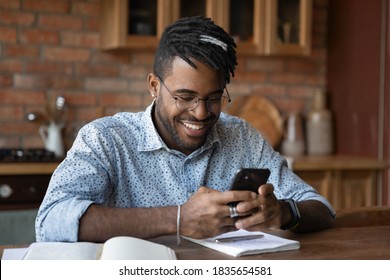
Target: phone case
250, 179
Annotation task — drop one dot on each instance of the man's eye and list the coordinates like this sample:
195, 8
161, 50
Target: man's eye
185, 98
214, 99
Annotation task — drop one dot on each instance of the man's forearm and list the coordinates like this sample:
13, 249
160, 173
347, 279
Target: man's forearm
100, 223
314, 216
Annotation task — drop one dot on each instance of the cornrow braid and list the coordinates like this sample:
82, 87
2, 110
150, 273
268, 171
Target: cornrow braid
199, 38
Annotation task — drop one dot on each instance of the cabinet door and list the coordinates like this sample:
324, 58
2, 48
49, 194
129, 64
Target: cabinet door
244, 21
288, 27
322, 181
357, 188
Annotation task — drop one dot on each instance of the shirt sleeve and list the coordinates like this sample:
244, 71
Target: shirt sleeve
83, 178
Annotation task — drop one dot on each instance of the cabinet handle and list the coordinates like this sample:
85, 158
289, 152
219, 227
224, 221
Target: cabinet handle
5, 191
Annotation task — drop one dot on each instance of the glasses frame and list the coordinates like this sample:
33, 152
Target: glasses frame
197, 99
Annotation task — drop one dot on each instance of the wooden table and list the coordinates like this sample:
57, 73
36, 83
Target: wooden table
352, 243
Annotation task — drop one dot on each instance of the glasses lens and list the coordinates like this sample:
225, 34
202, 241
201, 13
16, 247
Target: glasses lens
186, 104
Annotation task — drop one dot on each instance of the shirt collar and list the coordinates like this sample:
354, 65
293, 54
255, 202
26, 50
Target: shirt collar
150, 140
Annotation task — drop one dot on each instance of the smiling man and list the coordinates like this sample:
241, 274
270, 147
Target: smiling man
168, 170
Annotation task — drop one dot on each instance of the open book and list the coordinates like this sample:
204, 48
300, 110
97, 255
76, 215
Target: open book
116, 248
241, 242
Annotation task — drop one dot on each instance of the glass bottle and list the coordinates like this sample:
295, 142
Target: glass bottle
319, 125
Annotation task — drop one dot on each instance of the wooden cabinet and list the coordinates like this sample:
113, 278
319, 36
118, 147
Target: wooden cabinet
345, 181
260, 27
23, 185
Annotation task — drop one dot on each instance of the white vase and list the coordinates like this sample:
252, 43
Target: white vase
52, 138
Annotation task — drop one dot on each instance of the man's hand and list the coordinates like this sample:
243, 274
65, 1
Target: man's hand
266, 211
207, 214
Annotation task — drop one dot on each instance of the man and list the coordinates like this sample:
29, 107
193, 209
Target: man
167, 170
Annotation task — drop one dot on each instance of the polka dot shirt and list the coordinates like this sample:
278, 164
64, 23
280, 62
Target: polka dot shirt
121, 161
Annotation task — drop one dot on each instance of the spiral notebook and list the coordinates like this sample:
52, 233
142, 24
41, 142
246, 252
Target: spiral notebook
251, 242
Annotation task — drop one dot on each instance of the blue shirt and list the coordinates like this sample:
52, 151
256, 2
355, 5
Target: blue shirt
121, 161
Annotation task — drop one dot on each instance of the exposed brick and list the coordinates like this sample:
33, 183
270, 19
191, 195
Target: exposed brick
21, 97
270, 90
114, 85
17, 18
5, 80
80, 98
66, 54
57, 22
250, 76
8, 34
119, 57
21, 51
142, 58
47, 82
286, 105
120, 99
316, 80
33, 141
298, 92
57, 6
10, 4
135, 72
38, 36
11, 66
9, 141
54, 49
86, 9
92, 24
11, 113
87, 40
236, 88
103, 70
301, 65
18, 128
44, 67
265, 64
287, 78
88, 114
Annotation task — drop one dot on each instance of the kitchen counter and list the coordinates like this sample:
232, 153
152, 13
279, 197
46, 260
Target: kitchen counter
337, 162
27, 168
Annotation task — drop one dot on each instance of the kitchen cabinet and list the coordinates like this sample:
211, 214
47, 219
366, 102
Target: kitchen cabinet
260, 27
23, 184
346, 181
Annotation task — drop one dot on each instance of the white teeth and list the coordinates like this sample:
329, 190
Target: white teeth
193, 126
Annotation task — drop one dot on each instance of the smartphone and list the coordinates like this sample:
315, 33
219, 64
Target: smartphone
250, 179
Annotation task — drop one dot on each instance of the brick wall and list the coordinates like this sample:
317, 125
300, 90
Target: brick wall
50, 48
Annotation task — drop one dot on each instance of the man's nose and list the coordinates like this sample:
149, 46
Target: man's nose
201, 110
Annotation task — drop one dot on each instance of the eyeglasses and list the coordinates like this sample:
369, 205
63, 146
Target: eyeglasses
188, 102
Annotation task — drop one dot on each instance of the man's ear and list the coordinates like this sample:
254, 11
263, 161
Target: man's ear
153, 85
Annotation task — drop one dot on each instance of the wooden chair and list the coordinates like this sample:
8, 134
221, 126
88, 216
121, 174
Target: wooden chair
363, 216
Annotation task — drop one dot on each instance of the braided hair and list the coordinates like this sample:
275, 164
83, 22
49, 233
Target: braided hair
198, 38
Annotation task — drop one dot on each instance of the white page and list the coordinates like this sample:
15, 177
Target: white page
14, 253
131, 248
63, 251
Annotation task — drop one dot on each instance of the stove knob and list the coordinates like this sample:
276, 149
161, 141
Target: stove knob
5, 191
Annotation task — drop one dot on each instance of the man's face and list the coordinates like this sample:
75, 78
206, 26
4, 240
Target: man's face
185, 131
